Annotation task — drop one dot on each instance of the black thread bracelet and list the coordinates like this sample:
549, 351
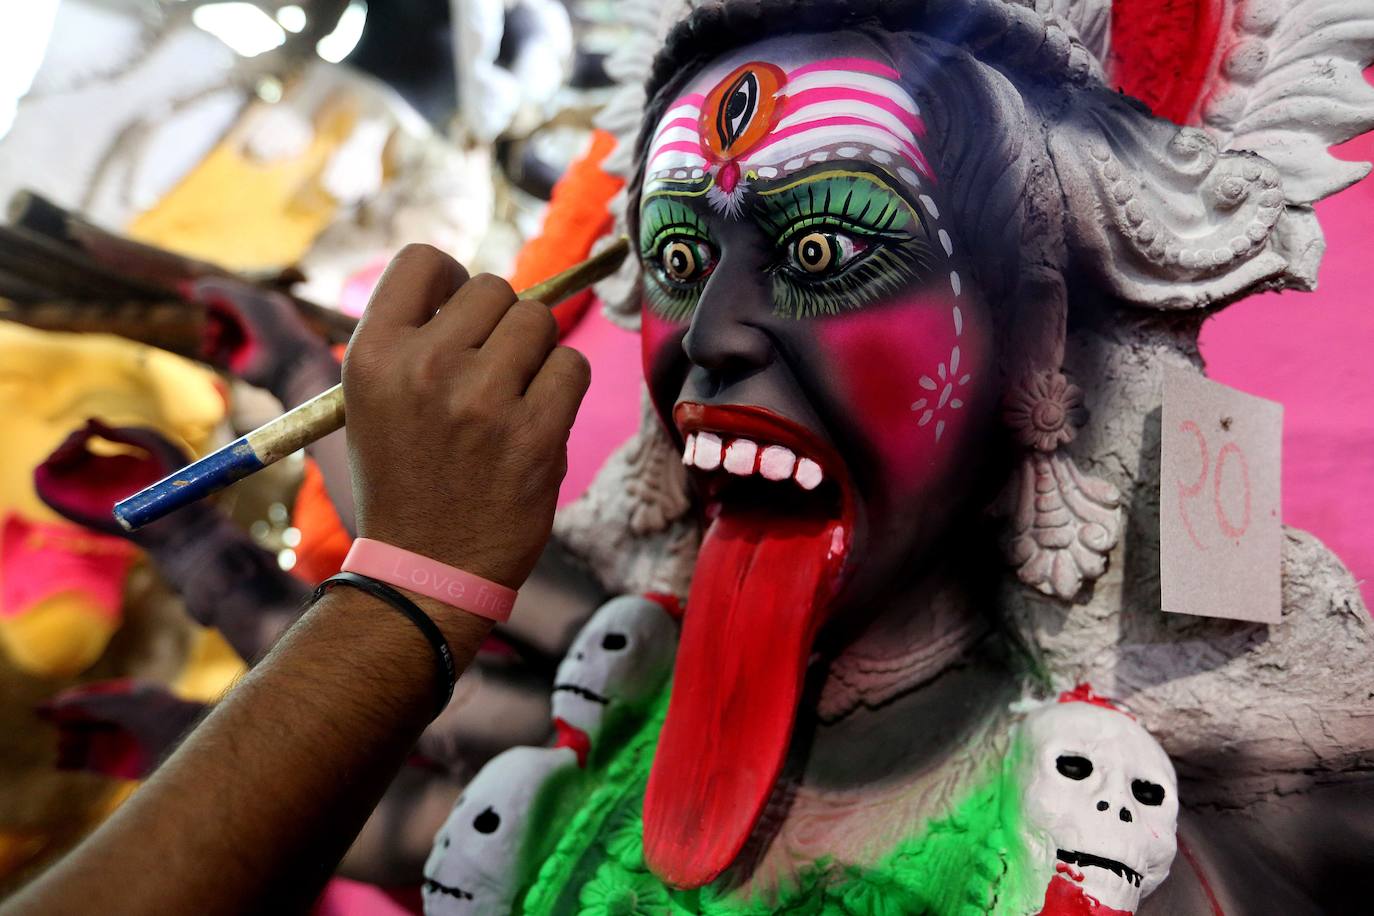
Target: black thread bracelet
448, 674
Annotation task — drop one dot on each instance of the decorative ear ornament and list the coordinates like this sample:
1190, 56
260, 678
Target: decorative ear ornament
1062, 522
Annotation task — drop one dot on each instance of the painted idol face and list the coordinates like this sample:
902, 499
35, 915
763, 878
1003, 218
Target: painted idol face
811, 332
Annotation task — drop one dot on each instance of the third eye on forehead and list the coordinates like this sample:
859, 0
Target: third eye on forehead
776, 117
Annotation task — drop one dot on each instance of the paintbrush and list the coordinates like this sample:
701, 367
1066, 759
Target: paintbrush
313, 420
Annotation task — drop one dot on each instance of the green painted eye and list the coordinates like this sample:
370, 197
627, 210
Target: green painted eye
814, 252
684, 261
844, 239
819, 253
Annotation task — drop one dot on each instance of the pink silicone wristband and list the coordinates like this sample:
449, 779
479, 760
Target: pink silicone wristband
430, 578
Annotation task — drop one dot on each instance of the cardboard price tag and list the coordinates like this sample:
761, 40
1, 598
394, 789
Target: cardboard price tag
1220, 531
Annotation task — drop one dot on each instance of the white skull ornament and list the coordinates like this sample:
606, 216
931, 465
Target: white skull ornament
622, 655
474, 866
1100, 801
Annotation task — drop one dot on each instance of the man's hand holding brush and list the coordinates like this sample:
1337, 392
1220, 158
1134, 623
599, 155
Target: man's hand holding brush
458, 419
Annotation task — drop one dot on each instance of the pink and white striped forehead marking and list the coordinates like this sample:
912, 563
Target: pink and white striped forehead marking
846, 108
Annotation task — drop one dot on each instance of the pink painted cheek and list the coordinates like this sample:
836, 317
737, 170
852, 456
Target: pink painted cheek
909, 374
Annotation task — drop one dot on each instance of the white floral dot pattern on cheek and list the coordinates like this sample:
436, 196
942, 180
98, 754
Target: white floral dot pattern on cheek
942, 402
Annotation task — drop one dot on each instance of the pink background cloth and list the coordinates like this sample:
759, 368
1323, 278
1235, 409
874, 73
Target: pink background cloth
343, 897
1313, 352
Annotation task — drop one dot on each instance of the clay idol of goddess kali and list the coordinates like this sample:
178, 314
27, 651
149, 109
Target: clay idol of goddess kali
909, 276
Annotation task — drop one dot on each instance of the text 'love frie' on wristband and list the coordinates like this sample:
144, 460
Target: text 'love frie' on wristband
420, 574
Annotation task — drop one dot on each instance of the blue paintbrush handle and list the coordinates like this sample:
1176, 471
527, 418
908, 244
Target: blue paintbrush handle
269, 443
195, 481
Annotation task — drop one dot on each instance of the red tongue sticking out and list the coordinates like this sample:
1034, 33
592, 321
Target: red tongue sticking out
761, 591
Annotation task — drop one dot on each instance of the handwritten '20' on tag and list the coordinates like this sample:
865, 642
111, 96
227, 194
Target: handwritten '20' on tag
1220, 528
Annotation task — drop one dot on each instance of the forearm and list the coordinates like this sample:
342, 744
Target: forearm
255, 809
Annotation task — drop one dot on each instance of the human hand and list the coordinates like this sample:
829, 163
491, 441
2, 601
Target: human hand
256, 334
118, 728
458, 421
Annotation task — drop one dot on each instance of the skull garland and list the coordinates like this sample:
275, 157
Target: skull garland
474, 867
621, 657
1100, 804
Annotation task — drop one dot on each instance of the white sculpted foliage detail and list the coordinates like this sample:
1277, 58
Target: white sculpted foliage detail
1100, 801
1062, 523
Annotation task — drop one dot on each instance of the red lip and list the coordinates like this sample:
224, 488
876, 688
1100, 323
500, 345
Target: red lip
769, 428
763, 426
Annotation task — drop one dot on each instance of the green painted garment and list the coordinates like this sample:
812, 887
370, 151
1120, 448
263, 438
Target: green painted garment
968, 862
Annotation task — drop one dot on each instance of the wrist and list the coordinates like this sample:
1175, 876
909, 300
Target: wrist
463, 631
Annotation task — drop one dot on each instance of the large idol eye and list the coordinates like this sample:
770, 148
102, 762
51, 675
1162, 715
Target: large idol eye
684, 261
820, 253
843, 240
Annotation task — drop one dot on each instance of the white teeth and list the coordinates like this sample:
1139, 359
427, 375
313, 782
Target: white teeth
707, 455
809, 474
777, 463
743, 457
739, 457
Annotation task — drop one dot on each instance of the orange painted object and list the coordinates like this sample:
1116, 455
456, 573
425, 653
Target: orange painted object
324, 541
578, 215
